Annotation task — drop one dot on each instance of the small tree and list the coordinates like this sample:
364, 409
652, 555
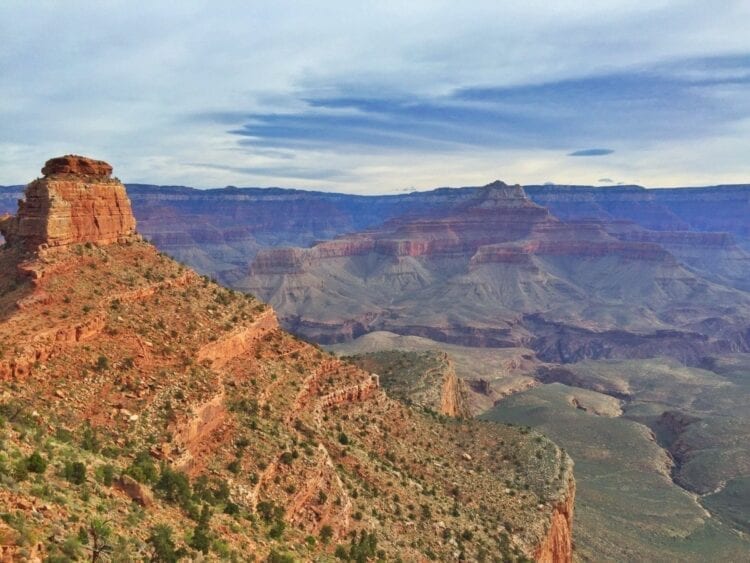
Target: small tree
75, 472
163, 548
201, 539
174, 485
100, 531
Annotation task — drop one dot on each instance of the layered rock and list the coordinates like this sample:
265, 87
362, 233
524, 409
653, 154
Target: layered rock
501, 271
75, 202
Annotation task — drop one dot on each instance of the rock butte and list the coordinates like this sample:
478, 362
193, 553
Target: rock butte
77, 201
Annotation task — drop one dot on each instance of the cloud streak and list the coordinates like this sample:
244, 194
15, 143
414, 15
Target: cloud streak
591, 152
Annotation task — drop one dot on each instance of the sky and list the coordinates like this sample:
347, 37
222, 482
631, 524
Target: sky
380, 97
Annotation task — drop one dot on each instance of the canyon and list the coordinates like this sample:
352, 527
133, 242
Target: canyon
499, 270
612, 319
137, 389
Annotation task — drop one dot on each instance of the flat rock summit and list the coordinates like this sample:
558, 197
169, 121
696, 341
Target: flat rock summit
76, 201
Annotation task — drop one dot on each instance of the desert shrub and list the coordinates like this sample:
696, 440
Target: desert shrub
35, 463
75, 472
326, 533
163, 548
89, 440
105, 474
142, 469
277, 557
201, 539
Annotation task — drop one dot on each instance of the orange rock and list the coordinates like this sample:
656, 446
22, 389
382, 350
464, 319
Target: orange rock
76, 165
76, 202
135, 490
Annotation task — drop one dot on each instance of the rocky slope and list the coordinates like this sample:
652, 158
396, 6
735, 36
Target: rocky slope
148, 412
501, 271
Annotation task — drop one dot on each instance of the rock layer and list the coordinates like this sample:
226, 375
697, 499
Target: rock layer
76, 202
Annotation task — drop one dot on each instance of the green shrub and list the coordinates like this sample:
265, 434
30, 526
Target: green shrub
201, 539
173, 485
105, 474
102, 363
143, 469
35, 463
75, 472
326, 533
163, 548
89, 440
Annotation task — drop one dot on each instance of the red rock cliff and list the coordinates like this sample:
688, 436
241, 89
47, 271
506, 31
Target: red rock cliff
558, 545
76, 201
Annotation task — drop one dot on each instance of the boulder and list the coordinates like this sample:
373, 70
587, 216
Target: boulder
135, 490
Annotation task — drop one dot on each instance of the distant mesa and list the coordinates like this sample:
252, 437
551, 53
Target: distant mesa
75, 202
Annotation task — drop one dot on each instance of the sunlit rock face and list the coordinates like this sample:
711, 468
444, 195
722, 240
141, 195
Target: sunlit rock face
77, 201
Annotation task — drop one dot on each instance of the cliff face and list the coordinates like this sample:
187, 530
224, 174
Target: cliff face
221, 231
499, 270
557, 546
76, 201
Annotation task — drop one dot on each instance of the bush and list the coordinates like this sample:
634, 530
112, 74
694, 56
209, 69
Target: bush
89, 441
173, 485
276, 557
143, 469
163, 548
201, 539
36, 463
102, 363
75, 472
105, 474
343, 439
326, 533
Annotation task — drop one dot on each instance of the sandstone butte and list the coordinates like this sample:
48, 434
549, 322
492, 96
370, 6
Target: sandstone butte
138, 394
76, 201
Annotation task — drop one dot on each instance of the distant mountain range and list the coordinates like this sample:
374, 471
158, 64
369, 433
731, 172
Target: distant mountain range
570, 271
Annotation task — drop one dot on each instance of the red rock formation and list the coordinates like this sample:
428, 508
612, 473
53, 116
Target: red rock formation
453, 400
239, 341
76, 202
75, 165
557, 547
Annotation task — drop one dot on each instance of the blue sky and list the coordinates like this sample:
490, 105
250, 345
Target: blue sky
379, 97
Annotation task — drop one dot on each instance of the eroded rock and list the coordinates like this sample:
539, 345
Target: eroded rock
76, 202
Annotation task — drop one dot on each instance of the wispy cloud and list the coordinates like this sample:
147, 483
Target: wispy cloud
591, 152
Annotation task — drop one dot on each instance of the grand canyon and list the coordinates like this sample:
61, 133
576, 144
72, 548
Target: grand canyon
614, 320
138, 392
375, 282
